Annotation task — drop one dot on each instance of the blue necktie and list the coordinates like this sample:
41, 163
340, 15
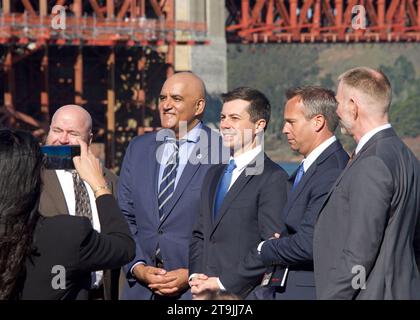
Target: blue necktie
299, 175
223, 187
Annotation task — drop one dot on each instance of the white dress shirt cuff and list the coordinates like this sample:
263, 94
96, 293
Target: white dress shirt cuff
136, 264
192, 276
220, 285
260, 247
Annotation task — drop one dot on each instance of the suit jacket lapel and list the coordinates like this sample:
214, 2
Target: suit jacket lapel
213, 188
153, 172
53, 192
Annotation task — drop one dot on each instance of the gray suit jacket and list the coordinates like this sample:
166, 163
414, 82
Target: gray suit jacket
53, 203
367, 226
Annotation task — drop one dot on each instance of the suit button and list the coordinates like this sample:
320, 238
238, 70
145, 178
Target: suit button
160, 231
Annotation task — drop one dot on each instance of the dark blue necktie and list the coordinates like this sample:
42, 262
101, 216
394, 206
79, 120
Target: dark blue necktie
223, 187
299, 175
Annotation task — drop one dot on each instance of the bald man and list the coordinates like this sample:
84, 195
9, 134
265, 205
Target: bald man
69, 123
159, 190
367, 237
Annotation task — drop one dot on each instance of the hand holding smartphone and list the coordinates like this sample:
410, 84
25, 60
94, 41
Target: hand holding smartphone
60, 157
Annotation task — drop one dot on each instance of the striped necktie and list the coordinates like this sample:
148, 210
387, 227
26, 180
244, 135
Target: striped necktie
167, 189
167, 184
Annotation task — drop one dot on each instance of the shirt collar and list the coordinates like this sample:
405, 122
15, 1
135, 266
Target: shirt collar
245, 158
369, 135
192, 136
307, 162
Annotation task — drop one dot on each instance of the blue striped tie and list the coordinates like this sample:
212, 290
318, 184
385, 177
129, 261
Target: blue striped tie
166, 190
167, 184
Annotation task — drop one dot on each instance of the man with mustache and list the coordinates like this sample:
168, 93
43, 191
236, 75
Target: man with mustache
367, 237
159, 190
241, 202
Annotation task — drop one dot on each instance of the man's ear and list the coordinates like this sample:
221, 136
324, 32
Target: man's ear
319, 122
199, 107
90, 139
260, 125
354, 107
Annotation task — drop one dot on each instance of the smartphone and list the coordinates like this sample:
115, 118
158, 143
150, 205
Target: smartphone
60, 157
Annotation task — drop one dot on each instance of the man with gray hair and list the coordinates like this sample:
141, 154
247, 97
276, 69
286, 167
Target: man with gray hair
366, 239
65, 193
309, 124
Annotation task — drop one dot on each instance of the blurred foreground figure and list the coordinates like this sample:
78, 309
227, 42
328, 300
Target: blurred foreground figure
52, 258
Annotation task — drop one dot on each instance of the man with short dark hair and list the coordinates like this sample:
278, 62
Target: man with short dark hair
366, 239
309, 124
240, 202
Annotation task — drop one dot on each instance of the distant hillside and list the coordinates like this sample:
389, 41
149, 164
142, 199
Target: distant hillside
274, 68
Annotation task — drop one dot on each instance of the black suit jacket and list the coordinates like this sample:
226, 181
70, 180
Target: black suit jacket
72, 243
250, 213
294, 249
53, 202
367, 227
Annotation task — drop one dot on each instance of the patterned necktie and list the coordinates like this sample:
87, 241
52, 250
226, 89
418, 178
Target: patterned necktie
81, 195
167, 184
166, 190
223, 187
299, 175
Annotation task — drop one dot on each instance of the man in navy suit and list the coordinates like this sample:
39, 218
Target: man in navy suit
159, 190
310, 121
241, 202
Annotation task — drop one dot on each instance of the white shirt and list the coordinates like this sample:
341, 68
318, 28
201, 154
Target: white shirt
242, 161
66, 181
369, 135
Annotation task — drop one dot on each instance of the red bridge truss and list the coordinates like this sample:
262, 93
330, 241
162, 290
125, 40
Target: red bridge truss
323, 21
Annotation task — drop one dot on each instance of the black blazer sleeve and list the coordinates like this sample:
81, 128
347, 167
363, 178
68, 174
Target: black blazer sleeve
298, 247
111, 248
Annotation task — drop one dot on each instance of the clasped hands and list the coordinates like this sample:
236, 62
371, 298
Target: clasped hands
162, 282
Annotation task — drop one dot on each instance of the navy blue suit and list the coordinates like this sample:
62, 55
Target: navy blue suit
295, 246
138, 199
